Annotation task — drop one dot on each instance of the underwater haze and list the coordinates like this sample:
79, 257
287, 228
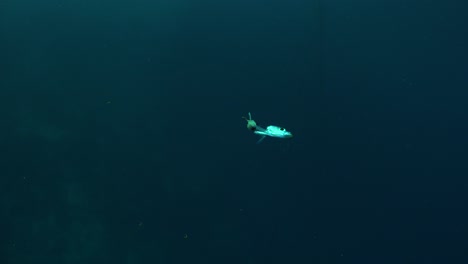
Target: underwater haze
122, 138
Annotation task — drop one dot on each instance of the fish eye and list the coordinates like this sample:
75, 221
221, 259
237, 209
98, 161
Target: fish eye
282, 129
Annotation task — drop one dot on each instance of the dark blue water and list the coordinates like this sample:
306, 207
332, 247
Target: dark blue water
122, 139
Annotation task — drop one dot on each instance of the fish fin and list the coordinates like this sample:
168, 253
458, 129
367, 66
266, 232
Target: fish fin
261, 139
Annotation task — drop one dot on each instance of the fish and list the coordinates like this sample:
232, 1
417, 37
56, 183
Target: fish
269, 131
